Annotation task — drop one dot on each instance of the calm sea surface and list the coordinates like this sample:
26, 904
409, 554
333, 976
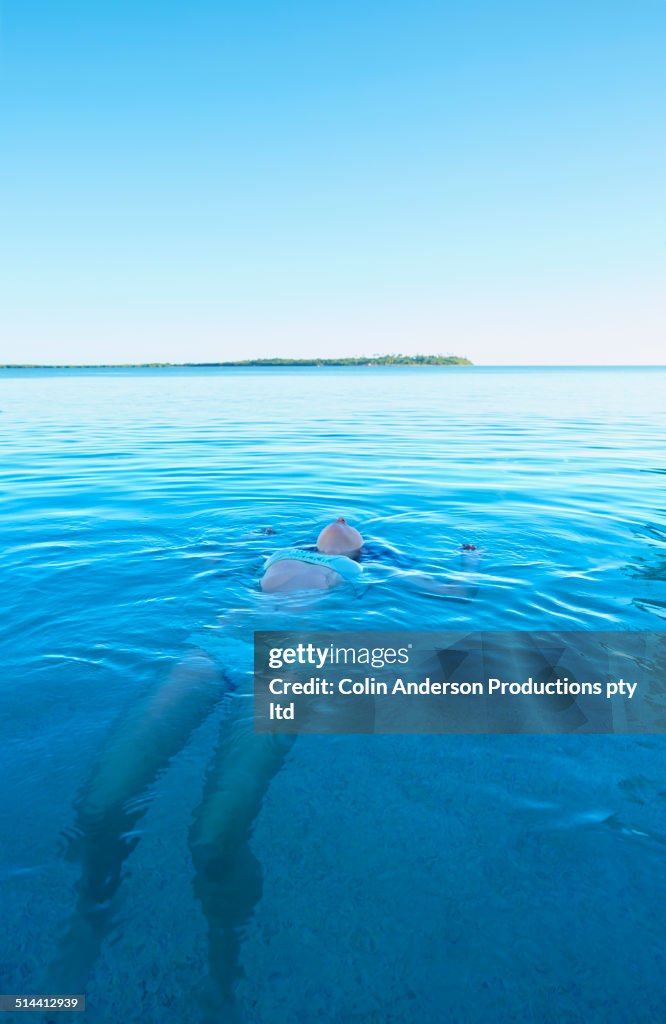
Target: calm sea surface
404, 879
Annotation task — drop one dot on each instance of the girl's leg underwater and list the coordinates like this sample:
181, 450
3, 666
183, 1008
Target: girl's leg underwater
228, 880
117, 796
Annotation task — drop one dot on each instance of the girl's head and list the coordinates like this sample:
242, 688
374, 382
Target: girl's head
339, 538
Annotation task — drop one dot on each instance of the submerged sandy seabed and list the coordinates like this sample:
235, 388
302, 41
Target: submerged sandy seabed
407, 880
438, 879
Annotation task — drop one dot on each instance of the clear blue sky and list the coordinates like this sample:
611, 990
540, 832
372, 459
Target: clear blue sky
200, 181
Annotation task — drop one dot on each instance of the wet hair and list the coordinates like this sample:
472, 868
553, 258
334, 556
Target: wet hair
375, 551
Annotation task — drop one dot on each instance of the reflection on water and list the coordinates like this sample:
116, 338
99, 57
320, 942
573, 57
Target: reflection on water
384, 878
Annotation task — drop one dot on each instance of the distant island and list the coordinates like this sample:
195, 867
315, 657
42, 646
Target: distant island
389, 360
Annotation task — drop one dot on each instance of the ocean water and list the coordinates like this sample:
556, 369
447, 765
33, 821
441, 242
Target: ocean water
383, 879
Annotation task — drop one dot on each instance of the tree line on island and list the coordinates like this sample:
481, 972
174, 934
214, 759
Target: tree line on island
386, 360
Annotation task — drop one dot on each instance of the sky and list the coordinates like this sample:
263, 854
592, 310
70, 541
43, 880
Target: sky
205, 181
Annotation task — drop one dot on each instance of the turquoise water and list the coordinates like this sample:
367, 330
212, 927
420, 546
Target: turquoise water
404, 879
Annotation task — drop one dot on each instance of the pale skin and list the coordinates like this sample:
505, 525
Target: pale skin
290, 575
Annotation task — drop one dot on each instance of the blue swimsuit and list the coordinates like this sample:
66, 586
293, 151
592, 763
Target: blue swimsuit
350, 570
